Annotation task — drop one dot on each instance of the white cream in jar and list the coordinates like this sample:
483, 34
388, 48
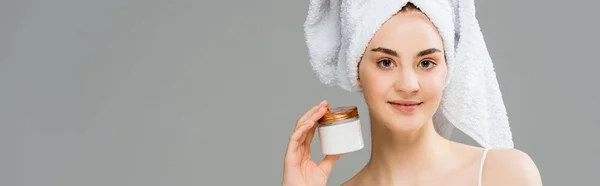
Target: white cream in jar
340, 131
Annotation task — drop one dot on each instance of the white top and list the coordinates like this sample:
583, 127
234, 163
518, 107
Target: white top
485, 151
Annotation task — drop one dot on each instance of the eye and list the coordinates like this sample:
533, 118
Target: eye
427, 64
385, 63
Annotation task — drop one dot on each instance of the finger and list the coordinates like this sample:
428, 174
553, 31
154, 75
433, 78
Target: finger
310, 134
298, 137
318, 114
312, 120
327, 164
308, 124
310, 112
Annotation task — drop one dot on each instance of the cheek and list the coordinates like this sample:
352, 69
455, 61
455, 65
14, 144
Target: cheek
433, 84
374, 84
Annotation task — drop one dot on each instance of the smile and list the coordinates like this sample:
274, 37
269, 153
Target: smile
405, 106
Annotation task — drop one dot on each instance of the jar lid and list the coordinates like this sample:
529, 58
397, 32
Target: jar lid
339, 113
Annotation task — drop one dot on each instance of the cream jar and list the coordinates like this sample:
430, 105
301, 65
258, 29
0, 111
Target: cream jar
340, 131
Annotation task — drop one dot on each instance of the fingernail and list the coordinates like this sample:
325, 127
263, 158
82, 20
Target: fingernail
322, 102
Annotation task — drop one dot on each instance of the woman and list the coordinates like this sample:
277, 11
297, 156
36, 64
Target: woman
406, 149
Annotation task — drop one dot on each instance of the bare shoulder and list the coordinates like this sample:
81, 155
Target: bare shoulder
510, 167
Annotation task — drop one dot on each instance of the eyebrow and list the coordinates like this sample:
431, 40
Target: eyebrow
394, 53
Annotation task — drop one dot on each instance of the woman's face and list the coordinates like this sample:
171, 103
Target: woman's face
403, 71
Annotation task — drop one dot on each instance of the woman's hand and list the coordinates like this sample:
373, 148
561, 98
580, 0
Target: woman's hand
299, 169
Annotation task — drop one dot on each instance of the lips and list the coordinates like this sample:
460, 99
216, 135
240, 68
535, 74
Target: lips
405, 106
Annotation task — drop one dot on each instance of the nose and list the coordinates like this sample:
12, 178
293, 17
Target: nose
407, 82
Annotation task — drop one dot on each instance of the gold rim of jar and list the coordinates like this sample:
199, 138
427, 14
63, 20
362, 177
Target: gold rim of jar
339, 114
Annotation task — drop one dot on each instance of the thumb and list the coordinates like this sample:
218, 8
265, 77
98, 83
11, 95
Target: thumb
327, 164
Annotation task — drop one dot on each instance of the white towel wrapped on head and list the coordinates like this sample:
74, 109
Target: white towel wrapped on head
338, 31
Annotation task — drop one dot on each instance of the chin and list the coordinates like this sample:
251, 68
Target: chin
406, 124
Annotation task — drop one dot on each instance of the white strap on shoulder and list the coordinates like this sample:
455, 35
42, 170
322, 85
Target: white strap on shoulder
479, 179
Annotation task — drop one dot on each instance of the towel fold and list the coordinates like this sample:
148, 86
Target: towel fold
338, 31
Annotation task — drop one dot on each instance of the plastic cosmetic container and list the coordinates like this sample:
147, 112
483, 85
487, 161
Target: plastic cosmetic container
340, 131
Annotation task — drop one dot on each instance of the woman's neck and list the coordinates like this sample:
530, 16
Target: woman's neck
397, 155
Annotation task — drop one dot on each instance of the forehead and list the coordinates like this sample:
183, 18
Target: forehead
405, 31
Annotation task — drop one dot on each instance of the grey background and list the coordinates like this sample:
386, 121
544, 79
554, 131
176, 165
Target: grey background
179, 92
